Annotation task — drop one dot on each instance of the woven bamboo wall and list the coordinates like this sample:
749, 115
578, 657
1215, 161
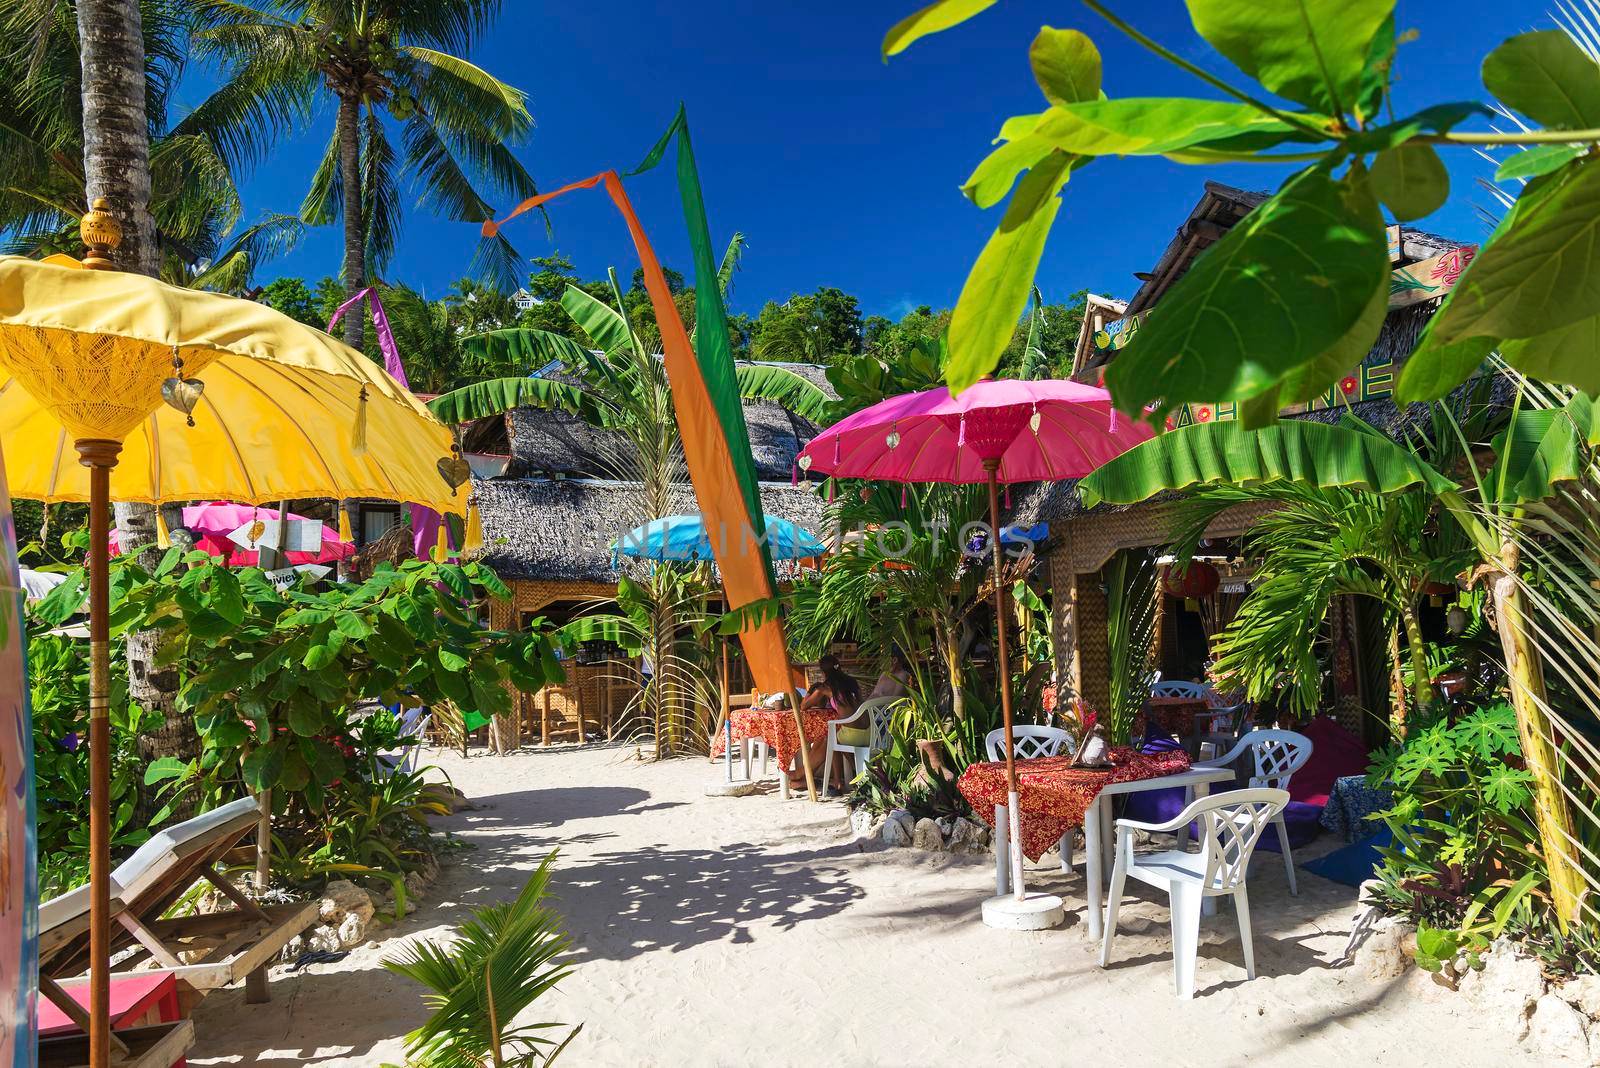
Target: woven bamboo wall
1064, 617
1094, 653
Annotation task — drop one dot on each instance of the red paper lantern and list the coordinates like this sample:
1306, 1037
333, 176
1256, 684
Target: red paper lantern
1198, 580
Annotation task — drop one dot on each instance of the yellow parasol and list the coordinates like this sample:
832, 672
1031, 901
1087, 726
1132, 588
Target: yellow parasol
258, 407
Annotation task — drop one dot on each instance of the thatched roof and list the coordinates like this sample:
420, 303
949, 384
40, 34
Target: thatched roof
554, 444
540, 528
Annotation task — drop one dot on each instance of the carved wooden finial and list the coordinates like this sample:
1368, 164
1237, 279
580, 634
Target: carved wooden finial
101, 235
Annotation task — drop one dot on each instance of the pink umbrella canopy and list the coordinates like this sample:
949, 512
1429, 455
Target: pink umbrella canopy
212, 523
1040, 431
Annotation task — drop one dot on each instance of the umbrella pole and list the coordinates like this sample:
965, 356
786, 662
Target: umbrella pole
99, 456
1003, 657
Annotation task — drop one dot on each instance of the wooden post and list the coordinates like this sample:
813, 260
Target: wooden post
99, 456
544, 716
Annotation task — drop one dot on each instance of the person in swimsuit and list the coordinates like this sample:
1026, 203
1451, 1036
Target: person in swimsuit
841, 694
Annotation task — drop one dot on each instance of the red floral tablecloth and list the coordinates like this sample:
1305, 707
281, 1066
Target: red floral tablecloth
776, 726
1053, 795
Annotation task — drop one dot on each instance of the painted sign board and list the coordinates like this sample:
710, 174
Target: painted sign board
284, 577
303, 536
19, 888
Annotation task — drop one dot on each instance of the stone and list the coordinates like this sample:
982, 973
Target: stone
323, 938
1388, 951
969, 837
862, 822
352, 930
344, 898
292, 949
894, 833
1583, 994
738, 788
416, 883
1505, 989
926, 835
1557, 1031
947, 825
905, 819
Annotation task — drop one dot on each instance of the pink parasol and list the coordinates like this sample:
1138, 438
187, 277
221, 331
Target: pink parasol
212, 523
996, 431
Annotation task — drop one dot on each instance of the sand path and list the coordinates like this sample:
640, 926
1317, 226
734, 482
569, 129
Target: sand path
750, 931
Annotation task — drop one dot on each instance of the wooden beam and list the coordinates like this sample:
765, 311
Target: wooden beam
233, 893
73, 1011
148, 940
1395, 244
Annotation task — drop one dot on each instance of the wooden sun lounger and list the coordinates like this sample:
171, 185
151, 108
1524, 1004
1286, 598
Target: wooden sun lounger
153, 1046
205, 952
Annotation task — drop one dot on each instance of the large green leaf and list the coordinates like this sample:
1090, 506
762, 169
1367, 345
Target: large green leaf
496, 396
523, 348
1066, 65
1547, 77
993, 178
1277, 291
1541, 269
1568, 354
604, 324
997, 288
1434, 367
1150, 126
1314, 52
1539, 449
1293, 450
935, 18
1540, 159
781, 386
1411, 180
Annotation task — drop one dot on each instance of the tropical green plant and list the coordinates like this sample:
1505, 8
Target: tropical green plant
388, 66
1461, 822
1332, 63
1132, 595
496, 967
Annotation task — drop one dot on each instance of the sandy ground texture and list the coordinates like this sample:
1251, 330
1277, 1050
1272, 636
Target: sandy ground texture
753, 931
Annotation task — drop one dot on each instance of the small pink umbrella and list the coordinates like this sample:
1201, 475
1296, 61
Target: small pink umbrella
996, 431
212, 523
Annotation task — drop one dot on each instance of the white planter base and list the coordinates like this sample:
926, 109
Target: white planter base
1035, 912
732, 789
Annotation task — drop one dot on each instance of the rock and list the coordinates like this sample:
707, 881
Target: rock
947, 825
894, 833
1388, 951
344, 898
292, 949
905, 819
352, 931
926, 835
1583, 994
969, 836
862, 822
416, 883
1557, 1032
323, 938
1506, 988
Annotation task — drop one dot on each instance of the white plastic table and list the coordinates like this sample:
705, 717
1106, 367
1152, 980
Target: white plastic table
1097, 837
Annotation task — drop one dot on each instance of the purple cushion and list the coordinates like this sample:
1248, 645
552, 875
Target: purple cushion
1303, 822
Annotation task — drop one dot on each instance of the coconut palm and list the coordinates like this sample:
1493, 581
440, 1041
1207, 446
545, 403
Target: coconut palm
390, 67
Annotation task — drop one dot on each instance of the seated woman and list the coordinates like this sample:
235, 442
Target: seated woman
842, 695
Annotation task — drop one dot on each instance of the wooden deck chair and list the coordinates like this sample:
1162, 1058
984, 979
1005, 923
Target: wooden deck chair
204, 952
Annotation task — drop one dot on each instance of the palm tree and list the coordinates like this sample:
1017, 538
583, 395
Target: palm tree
386, 64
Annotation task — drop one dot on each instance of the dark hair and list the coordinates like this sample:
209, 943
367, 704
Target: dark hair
898, 659
843, 686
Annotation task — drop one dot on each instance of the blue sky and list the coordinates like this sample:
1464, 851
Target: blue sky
840, 169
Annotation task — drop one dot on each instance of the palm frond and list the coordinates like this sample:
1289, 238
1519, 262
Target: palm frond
781, 386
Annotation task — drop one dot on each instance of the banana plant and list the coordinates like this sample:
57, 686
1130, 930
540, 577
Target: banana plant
1539, 450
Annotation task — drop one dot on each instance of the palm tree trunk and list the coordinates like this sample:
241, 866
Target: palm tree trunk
950, 646
1526, 672
355, 230
1421, 683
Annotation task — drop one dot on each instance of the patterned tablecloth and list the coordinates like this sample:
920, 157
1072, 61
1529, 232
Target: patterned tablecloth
1053, 795
776, 726
1350, 802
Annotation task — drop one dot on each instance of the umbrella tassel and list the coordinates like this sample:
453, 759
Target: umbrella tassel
794, 474
903, 491
472, 541
358, 436
836, 450
441, 547
830, 491
345, 534
1008, 495
163, 536
961, 436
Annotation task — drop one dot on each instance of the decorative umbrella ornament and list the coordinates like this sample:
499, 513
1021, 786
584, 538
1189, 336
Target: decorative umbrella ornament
975, 438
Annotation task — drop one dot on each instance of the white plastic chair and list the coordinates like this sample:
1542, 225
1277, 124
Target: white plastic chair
1028, 741
1278, 755
1179, 688
413, 722
875, 712
1230, 825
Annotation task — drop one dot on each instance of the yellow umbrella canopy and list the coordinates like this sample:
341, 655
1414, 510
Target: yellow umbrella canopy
283, 411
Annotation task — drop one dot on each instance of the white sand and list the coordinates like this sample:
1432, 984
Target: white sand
750, 931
